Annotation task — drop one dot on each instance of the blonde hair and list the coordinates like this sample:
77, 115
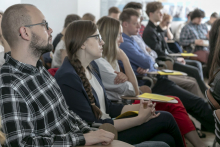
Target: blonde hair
2, 135
109, 29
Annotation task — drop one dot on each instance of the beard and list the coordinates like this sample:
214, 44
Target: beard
38, 46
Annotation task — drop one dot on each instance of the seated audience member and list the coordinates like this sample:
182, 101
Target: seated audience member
4, 47
60, 50
212, 19
89, 16
33, 109
69, 18
137, 6
80, 82
194, 36
114, 12
180, 27
117, 84
213, 37
214, 74
165, 26
154, 38
138, 59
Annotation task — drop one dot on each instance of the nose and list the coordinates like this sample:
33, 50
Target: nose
50, 30
121, 39
102, 42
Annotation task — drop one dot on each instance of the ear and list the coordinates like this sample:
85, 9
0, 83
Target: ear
125, 24
25, 34
83, 47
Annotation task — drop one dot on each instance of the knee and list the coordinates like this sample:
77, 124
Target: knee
166, 116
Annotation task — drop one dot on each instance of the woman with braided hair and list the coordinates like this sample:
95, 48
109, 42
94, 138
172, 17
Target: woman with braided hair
81, 85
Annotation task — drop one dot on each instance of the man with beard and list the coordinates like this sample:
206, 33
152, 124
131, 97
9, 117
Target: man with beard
33, 109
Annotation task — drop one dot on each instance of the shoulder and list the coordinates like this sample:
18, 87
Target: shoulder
60, 45
104, 65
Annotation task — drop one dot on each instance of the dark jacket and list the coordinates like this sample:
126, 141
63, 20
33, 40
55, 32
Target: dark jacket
76, 96
153, 36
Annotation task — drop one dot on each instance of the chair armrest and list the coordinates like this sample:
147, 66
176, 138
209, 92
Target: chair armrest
143, 77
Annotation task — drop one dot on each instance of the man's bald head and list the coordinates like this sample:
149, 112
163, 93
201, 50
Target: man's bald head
15, 17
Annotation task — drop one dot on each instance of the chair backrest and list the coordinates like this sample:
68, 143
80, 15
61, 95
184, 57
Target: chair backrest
217, 125
214, 104
110, 128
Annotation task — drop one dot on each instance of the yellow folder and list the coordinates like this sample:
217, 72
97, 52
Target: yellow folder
173, 73
187, 54
156, 97
128, 113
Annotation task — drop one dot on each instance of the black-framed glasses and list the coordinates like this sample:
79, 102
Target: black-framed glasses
98, 36
43, 23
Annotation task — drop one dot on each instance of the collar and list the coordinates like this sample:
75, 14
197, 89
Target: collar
127, 37
150, 23
24, 68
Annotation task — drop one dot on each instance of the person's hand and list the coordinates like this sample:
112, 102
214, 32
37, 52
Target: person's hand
147, 111
142, 71
148, 49
99, 136
181, 60
120, 78
199, 42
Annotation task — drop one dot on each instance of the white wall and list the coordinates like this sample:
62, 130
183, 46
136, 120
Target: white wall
55, 11
4, 4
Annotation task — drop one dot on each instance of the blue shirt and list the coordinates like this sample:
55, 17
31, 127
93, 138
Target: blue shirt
136, 55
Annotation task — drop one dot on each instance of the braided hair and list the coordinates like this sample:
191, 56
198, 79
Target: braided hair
76, 34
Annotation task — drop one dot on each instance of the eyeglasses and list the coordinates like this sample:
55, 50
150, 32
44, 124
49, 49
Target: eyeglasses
98, 36
43, 23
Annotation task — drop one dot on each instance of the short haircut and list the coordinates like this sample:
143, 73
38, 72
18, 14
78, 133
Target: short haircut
70, 18
152, 7
88, 16
197, 13
127, 13
133, 5
113, 10
15, 17
215, 15
189, 14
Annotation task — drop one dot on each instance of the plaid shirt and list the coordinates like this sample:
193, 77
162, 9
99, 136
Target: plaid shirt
190, 33
34, 112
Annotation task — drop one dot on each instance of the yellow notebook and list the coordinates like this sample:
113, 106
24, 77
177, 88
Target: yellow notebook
187, 54
156, 97
128, 113
173, 73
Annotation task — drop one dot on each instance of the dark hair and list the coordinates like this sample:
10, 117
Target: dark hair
113, 10
133, 5
213, 59
15, 17
189, 14
88, 16
70, 18
214, 15
197, 13
152, 7
76, 34
127, 13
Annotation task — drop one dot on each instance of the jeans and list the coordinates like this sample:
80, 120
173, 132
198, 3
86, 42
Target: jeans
192, 72
152, 144
163, 128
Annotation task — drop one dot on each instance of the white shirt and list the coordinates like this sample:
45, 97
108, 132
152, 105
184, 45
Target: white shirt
100, 93
113, 91
56, 62
2, 53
